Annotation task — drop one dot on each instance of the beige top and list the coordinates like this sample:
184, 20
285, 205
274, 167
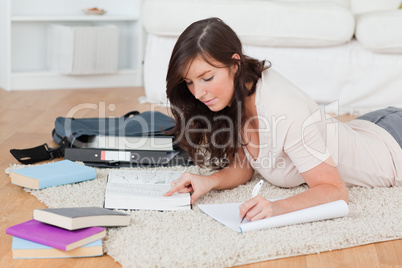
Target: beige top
296, 135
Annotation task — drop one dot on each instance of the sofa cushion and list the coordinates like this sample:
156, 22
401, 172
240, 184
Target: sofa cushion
380, 31
344, 3
362, 6
257, 22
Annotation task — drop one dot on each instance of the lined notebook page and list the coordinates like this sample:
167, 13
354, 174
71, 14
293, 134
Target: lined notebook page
228, 214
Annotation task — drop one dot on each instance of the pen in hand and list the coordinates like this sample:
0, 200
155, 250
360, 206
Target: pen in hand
254, 193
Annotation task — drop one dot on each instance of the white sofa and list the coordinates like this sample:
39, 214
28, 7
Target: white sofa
345, 52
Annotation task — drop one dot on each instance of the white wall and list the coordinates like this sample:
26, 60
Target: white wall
4, 45
72, 7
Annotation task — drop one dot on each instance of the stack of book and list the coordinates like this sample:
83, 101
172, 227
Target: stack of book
139, 151
64, 232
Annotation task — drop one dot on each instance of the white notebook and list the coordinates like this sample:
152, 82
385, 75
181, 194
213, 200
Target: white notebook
228, 214
144, 189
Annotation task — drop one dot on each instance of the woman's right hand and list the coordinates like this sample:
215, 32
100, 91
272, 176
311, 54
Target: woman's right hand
188, 182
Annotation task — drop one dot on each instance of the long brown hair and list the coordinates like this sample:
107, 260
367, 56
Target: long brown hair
211, 39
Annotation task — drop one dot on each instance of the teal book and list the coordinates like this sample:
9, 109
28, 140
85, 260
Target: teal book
51, 174
25, 249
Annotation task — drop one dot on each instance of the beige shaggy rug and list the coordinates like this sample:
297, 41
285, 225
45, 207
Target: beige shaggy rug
193, 239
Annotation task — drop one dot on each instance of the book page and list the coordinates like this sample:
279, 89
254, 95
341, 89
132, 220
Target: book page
128, 189
143, 176
140, 190
149, 143
228, 214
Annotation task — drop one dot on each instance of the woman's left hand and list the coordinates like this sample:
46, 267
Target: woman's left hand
257, 208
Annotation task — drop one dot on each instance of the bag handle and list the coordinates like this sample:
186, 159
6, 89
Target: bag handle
39, 153
134, 113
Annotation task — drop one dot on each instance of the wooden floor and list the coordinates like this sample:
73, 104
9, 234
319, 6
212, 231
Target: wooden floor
27, 119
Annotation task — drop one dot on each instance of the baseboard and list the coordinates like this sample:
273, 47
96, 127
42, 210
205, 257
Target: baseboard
51, 80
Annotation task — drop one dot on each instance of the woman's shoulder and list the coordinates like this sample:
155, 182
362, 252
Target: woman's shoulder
273, 87
277, 94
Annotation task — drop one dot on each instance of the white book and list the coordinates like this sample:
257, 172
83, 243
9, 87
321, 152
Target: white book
107, 49
144, 189
61, 48
83, 49
142, 143
102, 34
79, 55
228, 214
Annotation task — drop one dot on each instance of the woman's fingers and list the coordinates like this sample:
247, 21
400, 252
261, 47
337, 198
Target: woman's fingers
188, 182
261, 214
187, 189
181, 185
246, 207
195, 196
256, 208
176, 188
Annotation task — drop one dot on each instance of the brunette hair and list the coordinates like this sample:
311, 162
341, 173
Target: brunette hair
210, 39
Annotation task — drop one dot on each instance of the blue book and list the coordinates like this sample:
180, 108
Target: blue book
25, 249
52, 174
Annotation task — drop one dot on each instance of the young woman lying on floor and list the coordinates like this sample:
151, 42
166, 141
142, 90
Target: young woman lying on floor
236, 114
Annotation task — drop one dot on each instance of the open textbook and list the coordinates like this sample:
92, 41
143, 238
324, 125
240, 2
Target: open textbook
228, 214
144, 189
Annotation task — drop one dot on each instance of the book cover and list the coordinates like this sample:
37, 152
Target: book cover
143, 189
52, 174
112, 155
228, 214
56, 237
25, 249
81, 217
141, 143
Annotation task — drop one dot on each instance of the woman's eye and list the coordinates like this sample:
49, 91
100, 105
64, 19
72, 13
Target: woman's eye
188, 82
209, 79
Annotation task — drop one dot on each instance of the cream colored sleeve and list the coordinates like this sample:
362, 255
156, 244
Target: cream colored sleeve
303, 133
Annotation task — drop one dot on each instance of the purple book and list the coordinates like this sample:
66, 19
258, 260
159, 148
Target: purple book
56, 237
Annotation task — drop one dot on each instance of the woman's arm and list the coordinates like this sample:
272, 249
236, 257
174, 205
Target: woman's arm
326, 185
238, 172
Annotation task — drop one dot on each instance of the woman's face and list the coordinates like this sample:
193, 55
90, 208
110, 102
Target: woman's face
209, 84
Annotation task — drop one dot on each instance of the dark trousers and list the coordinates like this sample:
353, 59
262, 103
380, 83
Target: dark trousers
389, 119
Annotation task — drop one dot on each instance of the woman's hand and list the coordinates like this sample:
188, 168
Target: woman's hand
257, 208
188, 182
